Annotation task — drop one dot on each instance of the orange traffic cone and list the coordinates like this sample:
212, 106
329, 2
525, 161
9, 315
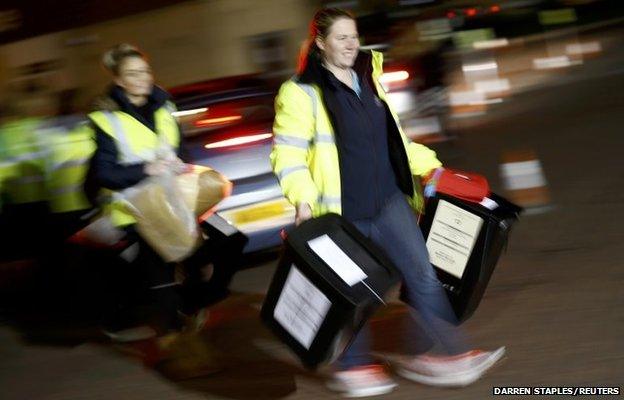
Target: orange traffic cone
524, 180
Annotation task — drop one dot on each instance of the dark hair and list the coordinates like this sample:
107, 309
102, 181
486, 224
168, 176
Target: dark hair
113, 58
319, 28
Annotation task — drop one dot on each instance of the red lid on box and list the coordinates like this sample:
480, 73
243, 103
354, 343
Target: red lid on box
464, 185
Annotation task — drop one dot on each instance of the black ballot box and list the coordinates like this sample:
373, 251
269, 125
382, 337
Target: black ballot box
464, 241
222, 248
329, 281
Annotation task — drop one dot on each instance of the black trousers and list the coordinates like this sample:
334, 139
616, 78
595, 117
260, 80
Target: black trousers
141, 288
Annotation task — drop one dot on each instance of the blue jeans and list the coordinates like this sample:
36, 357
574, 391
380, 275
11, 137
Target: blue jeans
395, 229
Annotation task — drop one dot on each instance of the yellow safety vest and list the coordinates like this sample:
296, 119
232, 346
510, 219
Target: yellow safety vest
70, 151
305, 156
136, 143
22, 162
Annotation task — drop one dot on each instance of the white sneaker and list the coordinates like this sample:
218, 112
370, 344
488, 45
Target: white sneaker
369, 380
455, 371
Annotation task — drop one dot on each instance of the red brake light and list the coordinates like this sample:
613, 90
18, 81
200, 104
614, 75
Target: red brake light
216, 121
495, 8
451, 14
470, 12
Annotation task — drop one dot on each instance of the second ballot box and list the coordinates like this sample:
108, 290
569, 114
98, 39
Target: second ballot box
465, 240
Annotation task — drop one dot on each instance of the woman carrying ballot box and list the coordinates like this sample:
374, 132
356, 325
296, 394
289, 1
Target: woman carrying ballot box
339, 148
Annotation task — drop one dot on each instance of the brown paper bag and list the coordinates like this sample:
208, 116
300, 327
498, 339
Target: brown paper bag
202, 188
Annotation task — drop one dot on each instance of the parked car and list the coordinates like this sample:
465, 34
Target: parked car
227, 125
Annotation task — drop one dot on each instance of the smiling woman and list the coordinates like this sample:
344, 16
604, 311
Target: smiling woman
340, 47
131, 72
136, 136
338, 148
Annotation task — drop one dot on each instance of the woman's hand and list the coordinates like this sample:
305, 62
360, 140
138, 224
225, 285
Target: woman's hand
176, 166
156, 168
304, 212
160, 167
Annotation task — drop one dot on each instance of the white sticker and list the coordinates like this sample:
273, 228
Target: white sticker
301, 307
489, 203
337, 260
453, 234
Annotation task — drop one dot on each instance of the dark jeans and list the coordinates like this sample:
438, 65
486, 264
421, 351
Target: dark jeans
396, 231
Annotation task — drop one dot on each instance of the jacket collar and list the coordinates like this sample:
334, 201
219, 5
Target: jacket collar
367, 64
155, 100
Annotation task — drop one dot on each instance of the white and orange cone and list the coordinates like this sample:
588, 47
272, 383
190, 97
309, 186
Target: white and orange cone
524, 180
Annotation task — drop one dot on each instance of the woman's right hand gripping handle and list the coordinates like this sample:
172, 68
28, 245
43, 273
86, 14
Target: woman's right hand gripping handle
303, 212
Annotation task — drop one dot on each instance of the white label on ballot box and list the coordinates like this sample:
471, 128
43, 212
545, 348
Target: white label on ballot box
337, 260
301, 307
453, 234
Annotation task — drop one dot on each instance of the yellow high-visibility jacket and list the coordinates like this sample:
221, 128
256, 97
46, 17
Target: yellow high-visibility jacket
136, 143
70, 151
305, 155
22, 161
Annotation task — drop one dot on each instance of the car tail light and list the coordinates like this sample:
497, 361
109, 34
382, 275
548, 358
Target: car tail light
495, 8
238, 141
451, 14
470, 12
200, 123
393, 80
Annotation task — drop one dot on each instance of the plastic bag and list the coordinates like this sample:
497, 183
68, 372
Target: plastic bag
164, 219
202, 188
